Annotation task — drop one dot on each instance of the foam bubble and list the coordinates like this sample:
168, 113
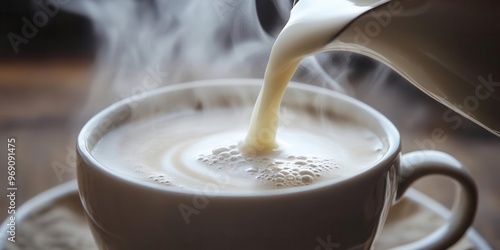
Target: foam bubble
159, 178
219, 150
306, 172
224, 155
252, 170
301, 163
291, 171
307, 179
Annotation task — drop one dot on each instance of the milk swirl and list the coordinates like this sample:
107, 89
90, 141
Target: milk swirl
178, 151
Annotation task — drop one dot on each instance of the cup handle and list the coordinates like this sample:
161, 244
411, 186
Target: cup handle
418, 164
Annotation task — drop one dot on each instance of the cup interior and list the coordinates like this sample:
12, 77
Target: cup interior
237, 94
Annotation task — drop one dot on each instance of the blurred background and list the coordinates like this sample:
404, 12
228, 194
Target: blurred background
61, 61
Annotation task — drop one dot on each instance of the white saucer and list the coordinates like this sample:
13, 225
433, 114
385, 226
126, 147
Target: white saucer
54, 220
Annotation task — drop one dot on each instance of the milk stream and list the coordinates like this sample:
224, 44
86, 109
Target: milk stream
307, 152
452, 56
311, 27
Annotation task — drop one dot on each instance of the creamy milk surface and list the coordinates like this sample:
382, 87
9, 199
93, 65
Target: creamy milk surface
199, 150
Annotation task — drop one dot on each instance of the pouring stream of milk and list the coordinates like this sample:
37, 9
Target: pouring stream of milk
453, 56
312, 25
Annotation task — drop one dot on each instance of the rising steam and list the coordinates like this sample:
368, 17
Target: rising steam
148, 44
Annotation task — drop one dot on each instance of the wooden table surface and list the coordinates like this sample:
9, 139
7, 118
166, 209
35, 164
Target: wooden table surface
40, 106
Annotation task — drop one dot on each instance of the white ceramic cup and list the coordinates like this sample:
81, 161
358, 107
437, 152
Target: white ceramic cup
346, 213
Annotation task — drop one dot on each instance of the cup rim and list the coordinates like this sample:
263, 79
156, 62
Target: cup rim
392, 139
